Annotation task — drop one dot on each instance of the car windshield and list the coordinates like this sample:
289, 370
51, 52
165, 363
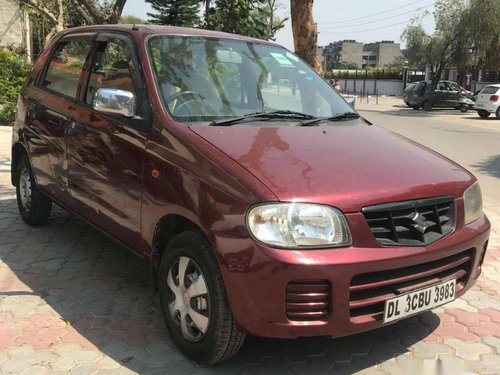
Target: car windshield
206, 79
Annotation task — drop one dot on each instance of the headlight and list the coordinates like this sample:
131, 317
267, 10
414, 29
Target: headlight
298, 225
473, 203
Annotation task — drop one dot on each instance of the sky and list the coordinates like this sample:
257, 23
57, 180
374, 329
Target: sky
362, 20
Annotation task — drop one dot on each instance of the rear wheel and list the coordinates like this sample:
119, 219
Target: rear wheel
464, 108
194, 301
34, 207
483, 114
497, 113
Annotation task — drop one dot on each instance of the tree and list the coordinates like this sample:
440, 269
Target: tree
175, 12
245, 17
275, 23
132, 20
95, 13
449, 42
398, 63
467, 31
485, 33
56, 16
305, 35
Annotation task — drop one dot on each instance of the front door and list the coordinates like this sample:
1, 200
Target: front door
441, 95
105, 151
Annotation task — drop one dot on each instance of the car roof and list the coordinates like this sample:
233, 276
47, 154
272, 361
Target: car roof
166, 30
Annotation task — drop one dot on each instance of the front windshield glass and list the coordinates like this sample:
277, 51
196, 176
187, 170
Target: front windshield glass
205, 79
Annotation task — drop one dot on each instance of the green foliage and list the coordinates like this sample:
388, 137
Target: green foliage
485, 34
132, 20
371, 73
7, 113
399, 63
246, 17
175, 12
13, 74
348, 65
466, 30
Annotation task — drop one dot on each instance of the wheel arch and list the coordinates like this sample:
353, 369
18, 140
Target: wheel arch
166, 229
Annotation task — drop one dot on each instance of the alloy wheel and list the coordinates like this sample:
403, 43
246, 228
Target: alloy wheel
189, 303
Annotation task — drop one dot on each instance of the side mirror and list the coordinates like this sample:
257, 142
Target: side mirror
114, 102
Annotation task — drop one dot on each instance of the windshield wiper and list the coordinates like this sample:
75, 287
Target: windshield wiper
340, 116
263, 114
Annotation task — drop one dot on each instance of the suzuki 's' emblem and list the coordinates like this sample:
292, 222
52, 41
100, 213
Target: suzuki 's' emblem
419, 221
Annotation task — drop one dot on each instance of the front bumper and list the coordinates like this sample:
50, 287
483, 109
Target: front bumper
257, 277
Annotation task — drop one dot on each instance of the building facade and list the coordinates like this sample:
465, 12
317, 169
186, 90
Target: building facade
349, 54
380, 54
343, 54
15, 33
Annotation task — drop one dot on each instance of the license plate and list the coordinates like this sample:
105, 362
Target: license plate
418, 301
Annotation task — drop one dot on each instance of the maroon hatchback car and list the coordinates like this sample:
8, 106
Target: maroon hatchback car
264, 204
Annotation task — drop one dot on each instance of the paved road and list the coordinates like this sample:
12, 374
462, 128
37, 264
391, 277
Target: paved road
73, 302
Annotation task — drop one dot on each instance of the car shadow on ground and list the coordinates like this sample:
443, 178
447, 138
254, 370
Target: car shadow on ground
489, 166
104, 295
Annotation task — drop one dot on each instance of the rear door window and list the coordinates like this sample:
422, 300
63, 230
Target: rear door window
66, 65
420, 86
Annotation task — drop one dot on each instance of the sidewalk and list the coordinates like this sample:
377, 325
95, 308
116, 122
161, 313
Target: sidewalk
74, 302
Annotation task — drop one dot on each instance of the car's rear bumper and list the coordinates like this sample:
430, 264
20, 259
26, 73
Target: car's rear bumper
490, 107
262, 283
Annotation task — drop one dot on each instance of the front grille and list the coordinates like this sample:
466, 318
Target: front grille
411, 223
308, 300
369, 291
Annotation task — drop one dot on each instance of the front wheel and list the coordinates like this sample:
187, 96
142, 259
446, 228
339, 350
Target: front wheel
464, 108
194, 301
483, 114
34, 207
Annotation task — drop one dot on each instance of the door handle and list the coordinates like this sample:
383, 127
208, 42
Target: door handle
77, 128
32, 110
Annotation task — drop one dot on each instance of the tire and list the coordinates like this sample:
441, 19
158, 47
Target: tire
483, 114
214, 337
497, 113
464, 108
34, 206
424, 106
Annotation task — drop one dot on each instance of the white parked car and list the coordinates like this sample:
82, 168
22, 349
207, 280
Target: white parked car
488, 101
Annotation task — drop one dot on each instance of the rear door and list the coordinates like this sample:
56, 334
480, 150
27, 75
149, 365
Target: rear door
50, 104
106, 151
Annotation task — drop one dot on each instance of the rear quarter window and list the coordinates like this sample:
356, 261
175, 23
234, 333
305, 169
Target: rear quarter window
490, 90
409, 87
